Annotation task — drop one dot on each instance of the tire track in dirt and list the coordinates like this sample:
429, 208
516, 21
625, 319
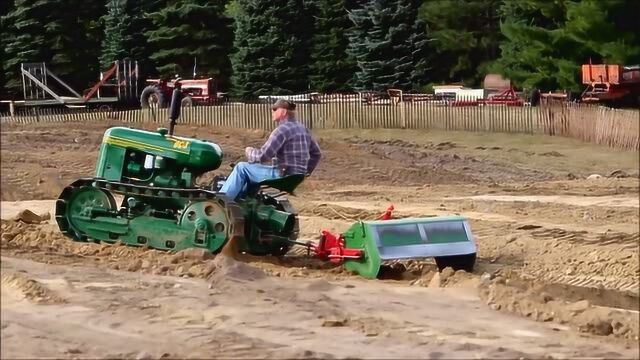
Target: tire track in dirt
431, 158
625, 240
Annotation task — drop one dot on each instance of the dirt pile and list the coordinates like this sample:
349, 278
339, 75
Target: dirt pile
227, 268
24, 287
29, 217
45, 243
508, 292
450, 278
446, 278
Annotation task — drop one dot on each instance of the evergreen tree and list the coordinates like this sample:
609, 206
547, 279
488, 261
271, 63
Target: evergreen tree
331, 68
138, 47
531, 55
272, 47
420, 57
85, 33
188, 33
5, 7
117, 23
125, 25
389, 45
609, 31
25, 40
465, 37
43, 31
546, 42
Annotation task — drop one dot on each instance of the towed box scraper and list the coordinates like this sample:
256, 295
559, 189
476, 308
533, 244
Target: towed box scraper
366, 245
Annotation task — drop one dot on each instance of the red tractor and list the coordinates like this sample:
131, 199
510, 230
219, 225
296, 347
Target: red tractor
158, 92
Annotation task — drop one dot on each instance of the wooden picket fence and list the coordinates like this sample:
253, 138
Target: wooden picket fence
612, 127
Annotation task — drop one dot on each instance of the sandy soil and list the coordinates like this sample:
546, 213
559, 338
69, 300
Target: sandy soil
558, 255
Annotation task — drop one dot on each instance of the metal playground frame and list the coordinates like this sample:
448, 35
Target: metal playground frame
122, 76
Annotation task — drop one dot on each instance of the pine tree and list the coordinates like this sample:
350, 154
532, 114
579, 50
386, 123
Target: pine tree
138, 47
125, 25
465, 38
420, 57
531, 55
546, 42
43, 31
272, 47
117, 23
608, 30
5, 8
85, 33
25, 41
190, 33
331, 68
389, 45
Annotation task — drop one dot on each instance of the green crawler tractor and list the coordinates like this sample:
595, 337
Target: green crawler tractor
161, 206
154, 173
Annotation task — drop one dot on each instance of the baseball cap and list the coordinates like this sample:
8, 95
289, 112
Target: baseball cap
283, 104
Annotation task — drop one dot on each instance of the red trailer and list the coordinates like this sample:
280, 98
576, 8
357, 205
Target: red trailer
611, 83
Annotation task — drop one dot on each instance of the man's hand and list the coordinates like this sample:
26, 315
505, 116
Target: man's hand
247, 152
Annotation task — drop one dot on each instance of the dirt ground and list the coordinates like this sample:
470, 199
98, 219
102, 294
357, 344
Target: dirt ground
557, 276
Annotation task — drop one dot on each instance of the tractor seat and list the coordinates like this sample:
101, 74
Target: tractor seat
286, 184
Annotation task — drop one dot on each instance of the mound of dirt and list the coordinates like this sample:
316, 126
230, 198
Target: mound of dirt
447, 278
45, 243
450, 278
227, 268
29, 217
24, 287
512, 294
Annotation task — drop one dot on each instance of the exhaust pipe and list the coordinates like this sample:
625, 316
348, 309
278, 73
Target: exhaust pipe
174, 110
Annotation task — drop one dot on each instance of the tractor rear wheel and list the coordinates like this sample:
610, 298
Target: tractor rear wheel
187, 101
151, 97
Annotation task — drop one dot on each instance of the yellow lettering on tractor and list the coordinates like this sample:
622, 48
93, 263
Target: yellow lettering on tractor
180, 144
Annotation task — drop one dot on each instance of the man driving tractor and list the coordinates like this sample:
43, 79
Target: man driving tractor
295, 151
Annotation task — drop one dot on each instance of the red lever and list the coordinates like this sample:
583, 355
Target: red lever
387, 213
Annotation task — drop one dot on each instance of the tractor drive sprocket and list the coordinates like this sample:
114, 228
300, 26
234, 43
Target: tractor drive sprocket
74, 200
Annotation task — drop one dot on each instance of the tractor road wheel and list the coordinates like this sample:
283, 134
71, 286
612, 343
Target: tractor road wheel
151, 97
456, 262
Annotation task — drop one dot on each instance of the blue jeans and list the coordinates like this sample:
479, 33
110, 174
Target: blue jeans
245, 172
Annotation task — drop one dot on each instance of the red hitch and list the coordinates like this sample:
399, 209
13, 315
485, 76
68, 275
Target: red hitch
332, 248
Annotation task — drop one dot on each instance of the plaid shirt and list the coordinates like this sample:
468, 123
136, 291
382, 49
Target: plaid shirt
293, 146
